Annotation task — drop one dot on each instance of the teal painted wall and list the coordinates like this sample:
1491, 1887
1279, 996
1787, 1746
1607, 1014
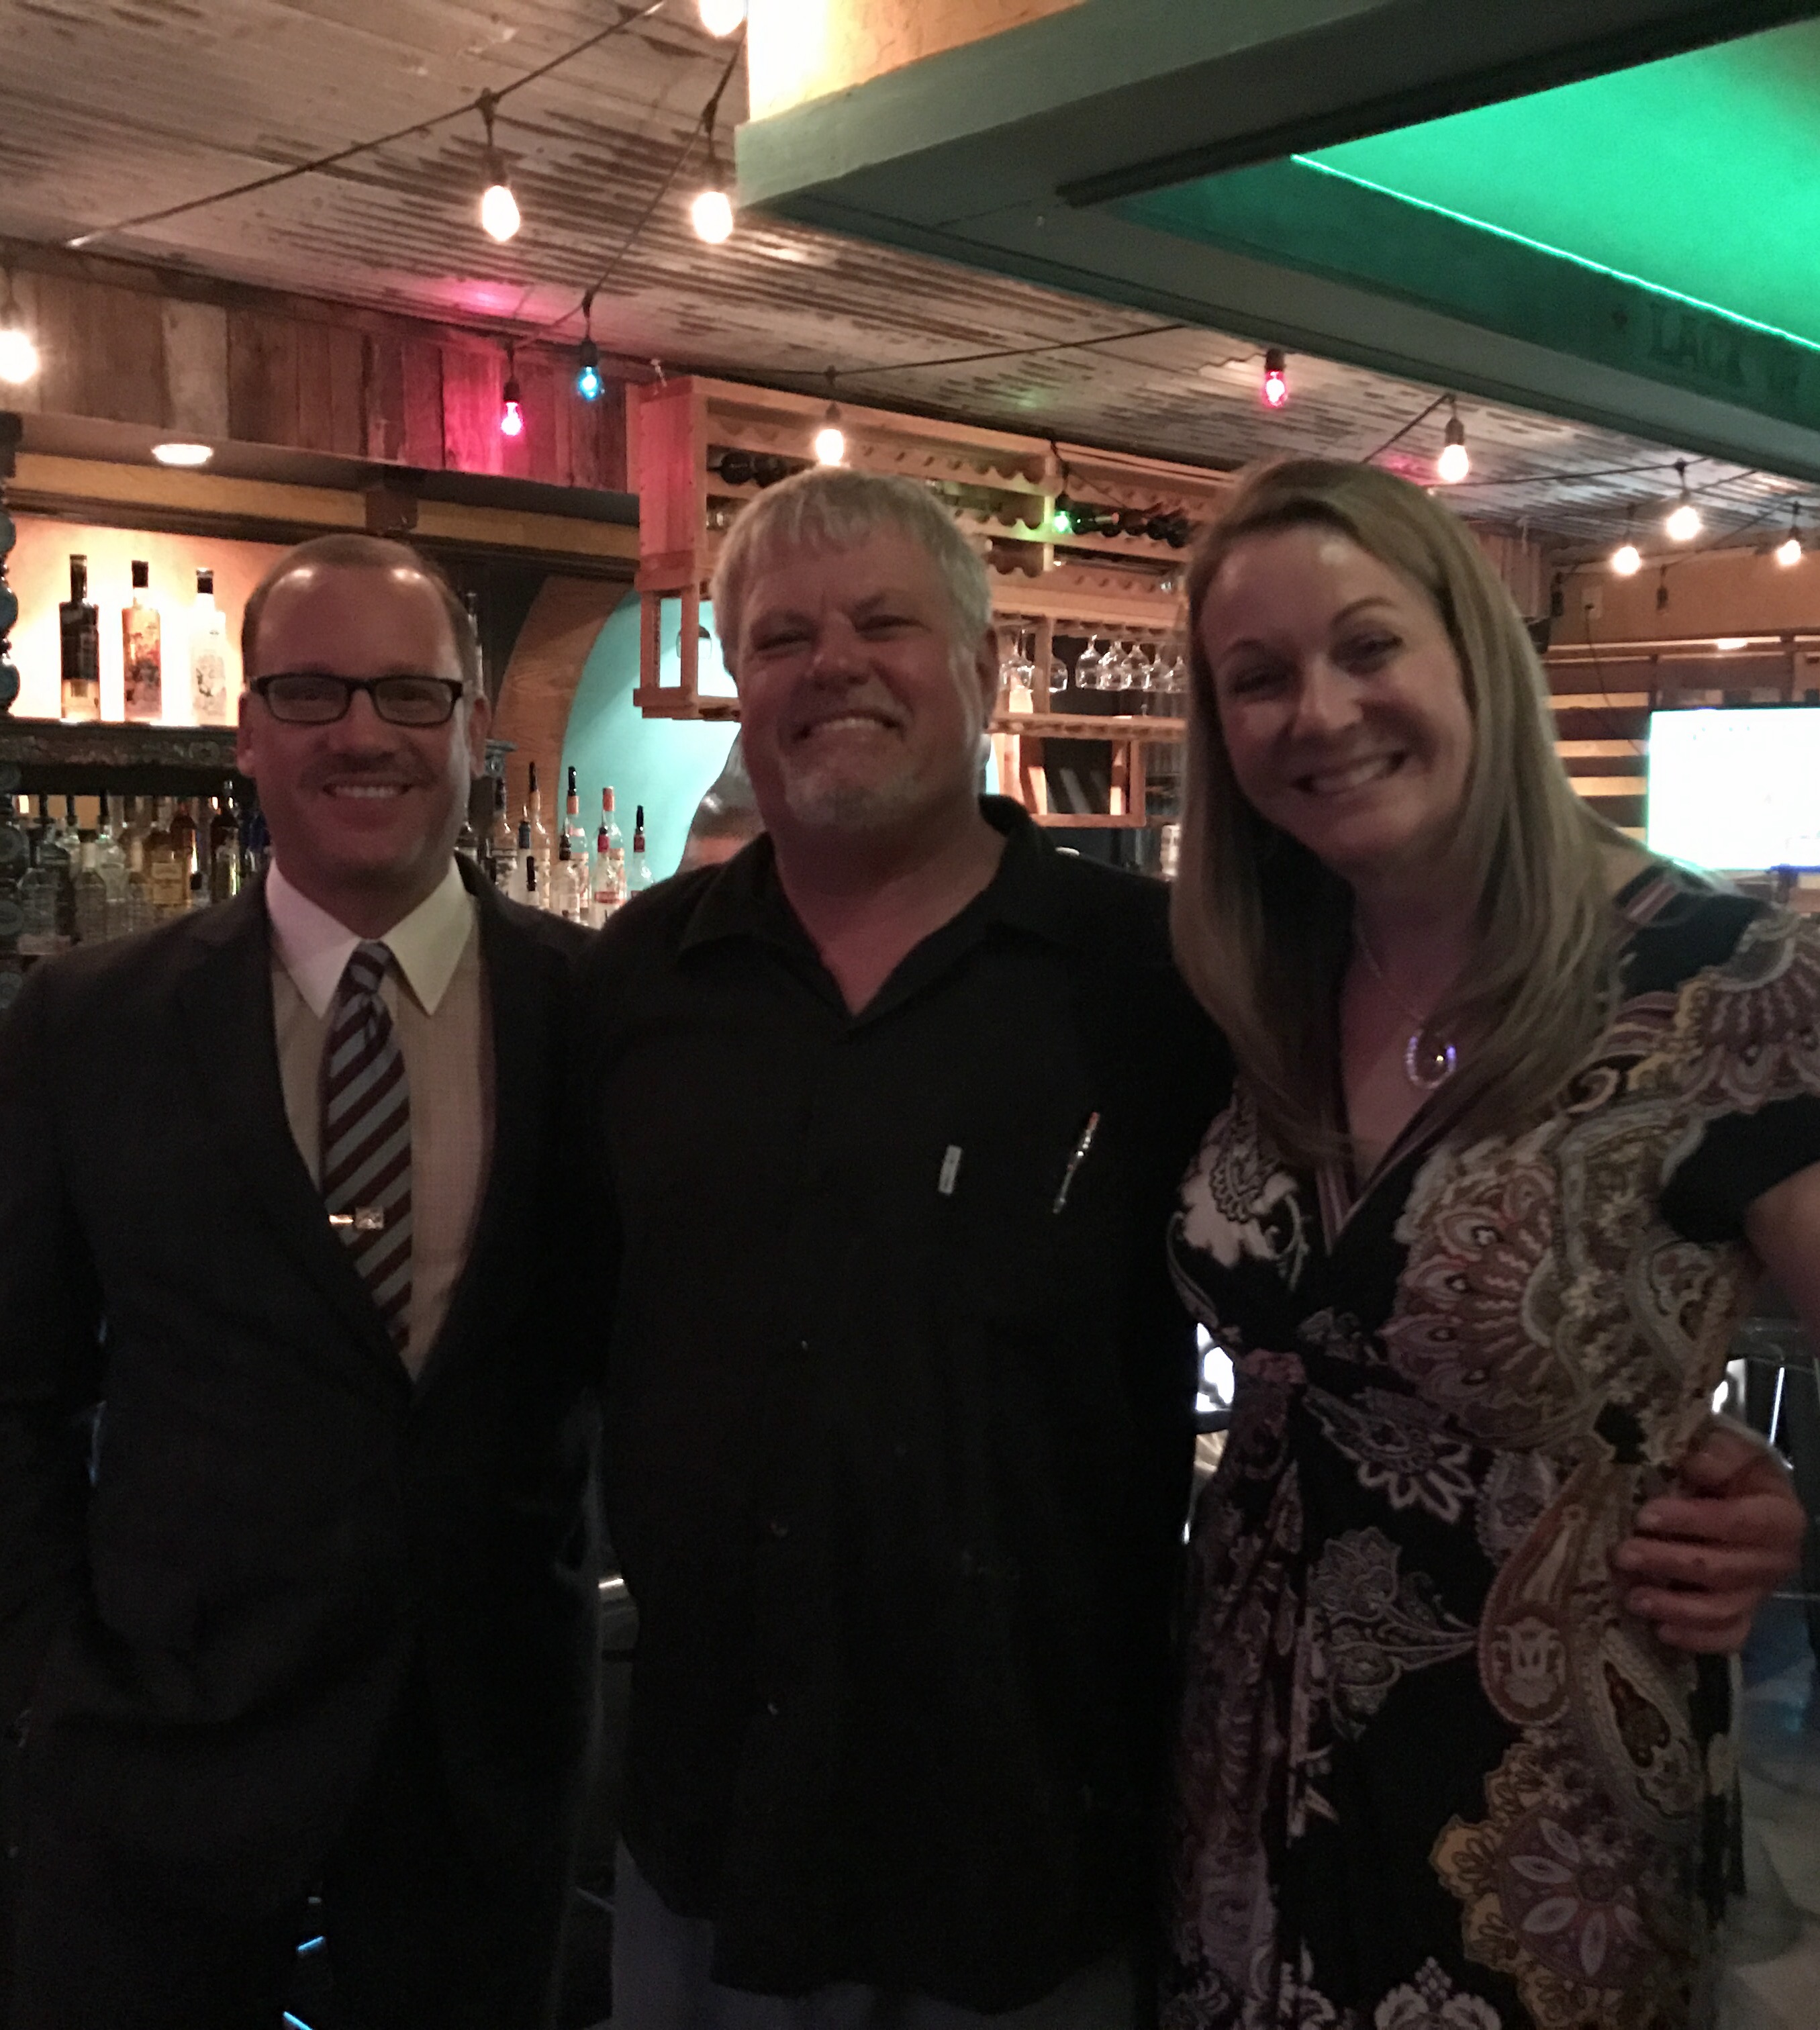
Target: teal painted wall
666, 764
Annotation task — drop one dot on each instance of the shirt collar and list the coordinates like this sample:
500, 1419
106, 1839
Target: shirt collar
746, 899
313, 947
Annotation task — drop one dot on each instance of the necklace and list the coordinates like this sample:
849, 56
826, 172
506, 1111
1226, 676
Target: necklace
1429, 1060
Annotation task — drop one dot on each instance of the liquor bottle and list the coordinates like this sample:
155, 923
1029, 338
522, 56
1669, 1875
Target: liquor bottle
609, 862
501, 840
110, 864
540, 837
15, 864
467, 842
67, 844
141, 638
81, 629
183, 836
638, 873
89, 896
167, 878
569, 897
223, 848
576, 831
209, 700
523, 856
533, 894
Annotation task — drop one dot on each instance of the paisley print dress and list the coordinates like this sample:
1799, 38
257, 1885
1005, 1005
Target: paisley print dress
1429, 1776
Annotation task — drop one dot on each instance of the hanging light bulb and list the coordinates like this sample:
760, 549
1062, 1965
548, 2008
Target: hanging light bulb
1276, 379
721, 17
1453, 464
588, 382
500, 217
1627, 559
1683, 523
511, 401
18, 355
1789, 551
831, 439
711, 213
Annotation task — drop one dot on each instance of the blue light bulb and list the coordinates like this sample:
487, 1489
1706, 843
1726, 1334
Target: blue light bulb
588, 384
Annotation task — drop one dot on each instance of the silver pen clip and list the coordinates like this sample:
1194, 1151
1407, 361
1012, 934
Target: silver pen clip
1084, 1142
362, 1219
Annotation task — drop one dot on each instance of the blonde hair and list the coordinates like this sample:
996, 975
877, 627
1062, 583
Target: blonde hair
1263, 930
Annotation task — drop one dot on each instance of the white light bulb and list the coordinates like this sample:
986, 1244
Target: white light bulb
1727, 644
499, 213
721, 17
1627, 560
182, 454
1683, 524
711, 216
1789, 553
1453, 464
830, 445
18, 356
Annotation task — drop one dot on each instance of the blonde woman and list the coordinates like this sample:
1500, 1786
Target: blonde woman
1519, 1112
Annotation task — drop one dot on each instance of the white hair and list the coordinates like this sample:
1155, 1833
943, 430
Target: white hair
829, 508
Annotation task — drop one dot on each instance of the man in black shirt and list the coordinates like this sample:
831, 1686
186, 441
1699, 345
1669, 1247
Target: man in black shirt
899, 1398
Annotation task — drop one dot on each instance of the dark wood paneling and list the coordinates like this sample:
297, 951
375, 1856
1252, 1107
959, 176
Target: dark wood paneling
347, 390
471, 403
262, 379
384, 399
316, 405
103, 351
423, 426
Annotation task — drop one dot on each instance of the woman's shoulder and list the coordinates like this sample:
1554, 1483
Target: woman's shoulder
1681, 924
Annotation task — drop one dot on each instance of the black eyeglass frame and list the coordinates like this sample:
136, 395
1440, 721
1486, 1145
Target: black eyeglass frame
374, 687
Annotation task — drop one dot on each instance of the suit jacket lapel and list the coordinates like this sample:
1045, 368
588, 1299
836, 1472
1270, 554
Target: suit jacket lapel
226, 1001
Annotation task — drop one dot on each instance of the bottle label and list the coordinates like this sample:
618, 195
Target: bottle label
144, 665
208, 681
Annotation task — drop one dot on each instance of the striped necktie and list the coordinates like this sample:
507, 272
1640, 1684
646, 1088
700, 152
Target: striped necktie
367, 1137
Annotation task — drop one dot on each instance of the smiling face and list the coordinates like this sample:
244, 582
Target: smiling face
859, 710
1340, 701
363, 814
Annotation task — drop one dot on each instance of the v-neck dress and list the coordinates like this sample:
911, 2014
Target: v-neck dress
1431, 1776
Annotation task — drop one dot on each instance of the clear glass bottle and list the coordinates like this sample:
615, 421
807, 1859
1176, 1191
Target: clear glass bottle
209, 700
80, 625
90, 899
569, 895
183, 834
142, 646
576, 832
64, 852
110, 863
501, 840
540, 836
523, 858
223, 848
638, 874
609, 862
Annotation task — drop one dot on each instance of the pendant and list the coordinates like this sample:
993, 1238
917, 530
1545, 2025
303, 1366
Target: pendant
1429, 1062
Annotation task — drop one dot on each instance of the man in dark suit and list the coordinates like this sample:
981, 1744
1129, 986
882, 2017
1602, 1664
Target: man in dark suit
298, 1566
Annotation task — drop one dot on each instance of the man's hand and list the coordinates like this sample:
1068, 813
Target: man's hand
1706, 1558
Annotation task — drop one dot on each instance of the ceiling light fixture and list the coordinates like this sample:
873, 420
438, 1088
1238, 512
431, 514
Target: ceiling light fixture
1682, 524
182, 454
721, 17
712, 212
1276, 378
588, 382
499, 217
831, 439
18, 355
1454, 462
1789, 551
1728, 643
511, 401
1627, 559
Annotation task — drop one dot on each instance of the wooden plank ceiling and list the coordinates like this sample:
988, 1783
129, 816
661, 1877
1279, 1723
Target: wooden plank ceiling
114, 107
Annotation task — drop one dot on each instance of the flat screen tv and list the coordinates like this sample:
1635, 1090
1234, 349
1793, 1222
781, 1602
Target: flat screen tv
1737, 789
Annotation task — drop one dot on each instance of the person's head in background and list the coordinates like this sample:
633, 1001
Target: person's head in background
1369, 730
363, 791
856, 621
726, 818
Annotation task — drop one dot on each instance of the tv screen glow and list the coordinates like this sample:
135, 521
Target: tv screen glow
1738, 788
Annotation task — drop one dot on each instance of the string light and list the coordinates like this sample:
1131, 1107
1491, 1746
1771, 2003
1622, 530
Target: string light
499, 217
588, 382
1453, 464
1683, 523
712, 213
18, 355
511, 401
182, 454
1276, 379
1789, 551
721, 17
831, 440
1627, 559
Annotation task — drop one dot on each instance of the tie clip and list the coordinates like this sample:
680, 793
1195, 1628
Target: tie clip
362, 1219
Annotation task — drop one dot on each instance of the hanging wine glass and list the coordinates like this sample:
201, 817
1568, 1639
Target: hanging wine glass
1116, 674
1087, 671
1058, 682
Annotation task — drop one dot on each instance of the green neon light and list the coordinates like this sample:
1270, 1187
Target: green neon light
1557, 253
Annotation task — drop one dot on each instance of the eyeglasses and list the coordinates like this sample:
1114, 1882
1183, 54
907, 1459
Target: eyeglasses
310, 698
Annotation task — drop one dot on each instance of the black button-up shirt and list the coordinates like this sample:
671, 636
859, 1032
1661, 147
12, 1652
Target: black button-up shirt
899, 1407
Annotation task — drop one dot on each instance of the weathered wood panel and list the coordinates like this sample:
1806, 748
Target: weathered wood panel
471, 382
262, 379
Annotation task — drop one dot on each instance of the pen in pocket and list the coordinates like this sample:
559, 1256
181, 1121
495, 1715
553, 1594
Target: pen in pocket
1083, 1143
